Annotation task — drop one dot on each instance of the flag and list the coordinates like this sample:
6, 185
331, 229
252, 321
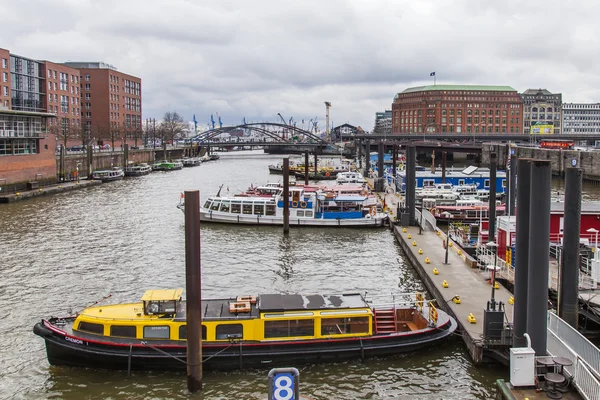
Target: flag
432, 74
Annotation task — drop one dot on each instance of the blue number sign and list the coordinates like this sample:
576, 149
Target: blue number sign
283, 384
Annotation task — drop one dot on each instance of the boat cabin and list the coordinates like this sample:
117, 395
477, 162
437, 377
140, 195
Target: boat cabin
161, 301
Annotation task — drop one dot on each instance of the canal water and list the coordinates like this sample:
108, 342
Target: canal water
60, 254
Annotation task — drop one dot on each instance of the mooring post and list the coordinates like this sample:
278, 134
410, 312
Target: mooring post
523, 167
306, 170
367, 157
539, 255
125, 155
286, 194
512, 184
568, 292
316, 167
410, 183
193, 289
492, 200
90, 160
61, 167
380, 156
360, 145
444, 155
394, 163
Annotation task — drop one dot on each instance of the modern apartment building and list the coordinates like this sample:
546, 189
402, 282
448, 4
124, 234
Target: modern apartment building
581, 118
63, 100
383, 123
542, 107
111, 103
457, 109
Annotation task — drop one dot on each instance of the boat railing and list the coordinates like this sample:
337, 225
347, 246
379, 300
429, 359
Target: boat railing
410, 299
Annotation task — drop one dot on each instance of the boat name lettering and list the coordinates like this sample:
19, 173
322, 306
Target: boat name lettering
73, 340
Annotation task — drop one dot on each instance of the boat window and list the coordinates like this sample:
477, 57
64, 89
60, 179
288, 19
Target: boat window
246, 208
300, 213
230, 331
183, 332
461, 181
503, 183
289, 328
207, 204
486, 183
341, 326
224, 206
236, 208
215, 205
91, 328
270, 209
259, 209
157, 332
123, 331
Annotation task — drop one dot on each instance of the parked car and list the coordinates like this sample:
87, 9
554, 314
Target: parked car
76, 148
135, 147
105, 146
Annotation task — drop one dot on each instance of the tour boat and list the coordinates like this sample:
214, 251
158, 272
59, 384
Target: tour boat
350, 177
191, 162
138, 170
108, 175
243, 332
177, 164
163, 166
306, 209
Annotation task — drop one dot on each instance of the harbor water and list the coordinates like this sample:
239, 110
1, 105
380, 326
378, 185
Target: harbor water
62, 253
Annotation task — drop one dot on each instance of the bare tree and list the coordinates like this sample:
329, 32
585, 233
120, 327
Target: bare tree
171, 127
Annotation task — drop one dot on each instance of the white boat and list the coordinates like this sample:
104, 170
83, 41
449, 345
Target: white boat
109, 174
191, 162
306, 209
138, 170
350, 177
177, 164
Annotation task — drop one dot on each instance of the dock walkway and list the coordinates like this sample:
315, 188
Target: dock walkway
468, 283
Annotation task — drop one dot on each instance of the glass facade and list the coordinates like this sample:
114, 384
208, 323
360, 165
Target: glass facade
27, 84
20, 134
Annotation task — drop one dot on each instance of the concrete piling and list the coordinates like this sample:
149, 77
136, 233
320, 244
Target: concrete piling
512, 185
306, 169
286, 194
444, 156
367, 157
492, 200
380, 151
62, 162
193, 290
360, 146
539, 252
522, 254
568, 293
90, 160
411, 154
125, 155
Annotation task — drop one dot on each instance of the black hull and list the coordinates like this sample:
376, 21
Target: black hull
80, 352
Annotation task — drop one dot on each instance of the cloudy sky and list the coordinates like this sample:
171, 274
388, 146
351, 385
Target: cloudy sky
257, 58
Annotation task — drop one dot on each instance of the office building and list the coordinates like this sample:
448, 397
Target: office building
457, 109
63, 100
542, 108
581, 118
383, 123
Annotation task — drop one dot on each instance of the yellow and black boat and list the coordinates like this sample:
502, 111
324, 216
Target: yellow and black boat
242, 332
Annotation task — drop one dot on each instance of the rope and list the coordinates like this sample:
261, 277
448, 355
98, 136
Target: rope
183, 361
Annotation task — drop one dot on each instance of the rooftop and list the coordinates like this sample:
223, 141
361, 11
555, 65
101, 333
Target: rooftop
539, 91
89, 65
459, 87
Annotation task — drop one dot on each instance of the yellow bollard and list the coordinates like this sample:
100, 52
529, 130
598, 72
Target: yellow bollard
444, 284
459, 252
427, 260
496, 286
456, 299
404, 230
471, 318
420, 251
409, 236
435, 271
438, 233
414, 242
511, 300
450, 244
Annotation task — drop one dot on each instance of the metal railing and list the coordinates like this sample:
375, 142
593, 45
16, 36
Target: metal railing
564, 341
428, 219
486, 256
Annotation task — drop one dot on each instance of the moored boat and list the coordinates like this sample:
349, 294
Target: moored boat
350, 177
306, 209
191, 162
138, 170
243, 332
108, 175
163, 165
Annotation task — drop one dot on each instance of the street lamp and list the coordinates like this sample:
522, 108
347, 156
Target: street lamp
493, 245
595, 231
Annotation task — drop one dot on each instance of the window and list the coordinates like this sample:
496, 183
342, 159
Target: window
246, 208
88, 96
503, 183
289, 328
461, 181
5, 90
230, 331
183, 332
157, 332
224, 204
123, 331
98, 329
236, 207
88, 114
87, 77
270, 209
342, 326
486, 183
259, 209
4, 63
5, 77
88, 87
49, 85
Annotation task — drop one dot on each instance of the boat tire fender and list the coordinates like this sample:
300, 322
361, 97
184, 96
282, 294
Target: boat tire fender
294, 204
327, 174
303, 204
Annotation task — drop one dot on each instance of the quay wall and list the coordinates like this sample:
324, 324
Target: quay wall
559, 159
23, 168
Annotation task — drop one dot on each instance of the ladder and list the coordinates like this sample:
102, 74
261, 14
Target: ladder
385, 320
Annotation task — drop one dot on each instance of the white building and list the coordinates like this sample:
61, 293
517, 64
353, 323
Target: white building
581, 118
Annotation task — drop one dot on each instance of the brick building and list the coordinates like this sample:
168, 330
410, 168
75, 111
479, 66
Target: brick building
5, 81
457, 109
63, 99
111, 104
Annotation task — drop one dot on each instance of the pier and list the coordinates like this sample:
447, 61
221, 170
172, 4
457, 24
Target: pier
46, 190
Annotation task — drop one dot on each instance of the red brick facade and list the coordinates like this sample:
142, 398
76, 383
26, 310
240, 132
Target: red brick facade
457, 109
5, 79
30, 167
63, 99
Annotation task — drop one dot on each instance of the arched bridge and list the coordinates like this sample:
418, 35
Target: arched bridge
278, 133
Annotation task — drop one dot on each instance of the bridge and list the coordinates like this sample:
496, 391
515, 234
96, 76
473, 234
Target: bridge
477, 137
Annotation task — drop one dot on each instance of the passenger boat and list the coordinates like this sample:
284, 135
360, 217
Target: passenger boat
138, 170
306, 209
465, 213
191, 162
472, 175
350, 177
243, 332
163, 166
177, 164
108, 175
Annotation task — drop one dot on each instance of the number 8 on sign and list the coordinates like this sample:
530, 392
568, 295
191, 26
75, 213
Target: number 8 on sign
284, 387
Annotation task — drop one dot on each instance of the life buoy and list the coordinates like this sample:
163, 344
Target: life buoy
294, 204
327, 174
303, 204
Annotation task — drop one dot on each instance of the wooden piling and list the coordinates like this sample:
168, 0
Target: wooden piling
306, 171
193, 290
286, 194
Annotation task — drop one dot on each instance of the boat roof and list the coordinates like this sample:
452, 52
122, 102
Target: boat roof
162, 294
347, 198
587, 207
289, 302
245, 199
